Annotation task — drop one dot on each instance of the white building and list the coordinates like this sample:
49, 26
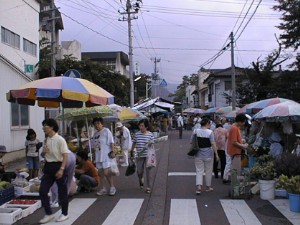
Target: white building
72, 48
190, 97
19, 53
219, 86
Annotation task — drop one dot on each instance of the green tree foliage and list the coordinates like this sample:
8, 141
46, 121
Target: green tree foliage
262, 81
290, 24
140, 87
180, 93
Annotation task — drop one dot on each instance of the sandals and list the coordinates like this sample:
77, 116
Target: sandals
209, 189
142, 184
148, 190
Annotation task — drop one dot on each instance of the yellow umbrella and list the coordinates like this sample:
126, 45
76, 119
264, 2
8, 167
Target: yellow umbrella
128, 114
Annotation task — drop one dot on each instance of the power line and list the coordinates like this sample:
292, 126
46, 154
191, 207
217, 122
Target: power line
248, 20
147, 33
94, 30
240, 14
244, 17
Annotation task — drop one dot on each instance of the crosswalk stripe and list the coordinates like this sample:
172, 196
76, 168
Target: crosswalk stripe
181, 174
239, 213
184, 212
125, 212
283, 206
76, 208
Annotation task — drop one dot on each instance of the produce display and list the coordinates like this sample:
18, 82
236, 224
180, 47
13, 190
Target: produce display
22, 202
4, 185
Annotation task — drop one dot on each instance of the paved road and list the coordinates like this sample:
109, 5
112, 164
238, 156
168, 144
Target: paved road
173, 200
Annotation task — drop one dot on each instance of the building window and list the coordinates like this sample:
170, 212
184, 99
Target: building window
29, 47
228, 85
111, 64
211, 89
10, 38
20, 115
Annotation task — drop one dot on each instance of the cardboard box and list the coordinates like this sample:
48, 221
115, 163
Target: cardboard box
10, 215
27, 209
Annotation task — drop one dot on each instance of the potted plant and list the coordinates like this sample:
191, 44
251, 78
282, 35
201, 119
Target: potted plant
264, 171
292, 185
286, 164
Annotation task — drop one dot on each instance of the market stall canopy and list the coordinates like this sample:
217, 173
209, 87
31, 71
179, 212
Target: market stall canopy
85, 113
51, 91
193, 111
156, 102
288, 110
255, 107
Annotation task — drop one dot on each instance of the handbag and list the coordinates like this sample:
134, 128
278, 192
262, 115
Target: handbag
194, 146
131, 168
114, 167
151, 157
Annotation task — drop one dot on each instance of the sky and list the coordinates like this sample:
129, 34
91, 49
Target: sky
183, 34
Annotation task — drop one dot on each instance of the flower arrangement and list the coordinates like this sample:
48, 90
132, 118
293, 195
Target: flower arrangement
264, 168
292, 185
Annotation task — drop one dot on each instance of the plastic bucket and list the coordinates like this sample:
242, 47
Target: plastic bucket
267, 189
294, 200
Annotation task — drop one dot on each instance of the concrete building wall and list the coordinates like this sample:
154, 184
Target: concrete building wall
23, 20
69, 48
20, 18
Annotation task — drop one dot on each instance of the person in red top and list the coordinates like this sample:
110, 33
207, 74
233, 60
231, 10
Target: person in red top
88, 174
235, 142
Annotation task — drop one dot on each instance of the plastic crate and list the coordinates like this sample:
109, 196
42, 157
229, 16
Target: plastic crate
7, 194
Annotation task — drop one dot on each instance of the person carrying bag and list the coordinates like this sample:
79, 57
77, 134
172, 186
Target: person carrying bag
204, 157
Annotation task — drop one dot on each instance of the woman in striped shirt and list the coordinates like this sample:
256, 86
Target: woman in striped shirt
142, 140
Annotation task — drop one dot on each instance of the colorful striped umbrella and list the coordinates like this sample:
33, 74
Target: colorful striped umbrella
288, 110
211, 110
225, 109
193, 111
129, 114
51, 91
255, 107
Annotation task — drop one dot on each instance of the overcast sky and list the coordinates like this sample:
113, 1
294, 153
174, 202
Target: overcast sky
184, 34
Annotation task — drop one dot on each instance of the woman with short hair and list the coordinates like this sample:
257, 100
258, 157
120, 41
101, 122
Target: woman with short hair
204, 158
143, 140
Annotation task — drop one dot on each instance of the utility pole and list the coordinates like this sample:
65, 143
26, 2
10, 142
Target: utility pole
53, 41
155, 76
232, 72
131, 9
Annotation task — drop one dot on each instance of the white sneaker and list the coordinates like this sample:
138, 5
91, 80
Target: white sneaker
102, 192
112, 191
54, 205
47, 219
62, 218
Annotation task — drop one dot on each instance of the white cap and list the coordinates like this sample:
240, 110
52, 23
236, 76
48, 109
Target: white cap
119, 124
249, 119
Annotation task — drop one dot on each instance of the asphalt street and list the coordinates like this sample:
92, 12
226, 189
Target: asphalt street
173, 200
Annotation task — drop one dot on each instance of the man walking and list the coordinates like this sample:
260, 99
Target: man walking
55, 152
235, 143
180, 125
125, 141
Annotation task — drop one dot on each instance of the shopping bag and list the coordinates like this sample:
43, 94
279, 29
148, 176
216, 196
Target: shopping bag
114, 167
151, 157
194, 146
131, 168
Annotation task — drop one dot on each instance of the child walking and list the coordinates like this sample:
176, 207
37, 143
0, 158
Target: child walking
32, 153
